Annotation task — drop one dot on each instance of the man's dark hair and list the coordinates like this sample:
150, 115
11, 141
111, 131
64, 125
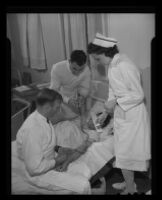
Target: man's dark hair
79, 57
109, 52
47, 95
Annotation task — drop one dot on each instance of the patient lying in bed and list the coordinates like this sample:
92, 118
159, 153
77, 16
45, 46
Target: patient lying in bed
71, 138
72, 154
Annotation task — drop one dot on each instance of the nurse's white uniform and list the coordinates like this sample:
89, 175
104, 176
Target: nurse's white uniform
131, 123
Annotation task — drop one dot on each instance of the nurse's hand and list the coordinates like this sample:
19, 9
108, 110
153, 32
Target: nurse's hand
110, 105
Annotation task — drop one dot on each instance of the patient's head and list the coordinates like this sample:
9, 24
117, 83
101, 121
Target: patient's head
48, 102
105, 123
78, 61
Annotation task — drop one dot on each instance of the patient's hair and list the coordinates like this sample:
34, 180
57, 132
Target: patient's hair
109, 52
79, 57
47, 95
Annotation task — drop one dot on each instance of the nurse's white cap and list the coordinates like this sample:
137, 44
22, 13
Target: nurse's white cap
103, 41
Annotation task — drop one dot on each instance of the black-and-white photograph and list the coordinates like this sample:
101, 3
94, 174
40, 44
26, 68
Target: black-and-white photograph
80, 102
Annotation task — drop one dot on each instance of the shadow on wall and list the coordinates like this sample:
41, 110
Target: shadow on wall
146, 84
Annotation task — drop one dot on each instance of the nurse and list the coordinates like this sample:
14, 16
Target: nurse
131, 123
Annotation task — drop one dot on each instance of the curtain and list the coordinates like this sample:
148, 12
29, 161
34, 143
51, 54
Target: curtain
80, 29
97, 23
35, 42
26, 35
77, 30
73, 32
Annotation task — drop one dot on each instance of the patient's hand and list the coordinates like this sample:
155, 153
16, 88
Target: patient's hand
60, 159
62, 168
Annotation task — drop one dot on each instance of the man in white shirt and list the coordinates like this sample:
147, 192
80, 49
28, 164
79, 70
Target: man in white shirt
71, 78
34, 157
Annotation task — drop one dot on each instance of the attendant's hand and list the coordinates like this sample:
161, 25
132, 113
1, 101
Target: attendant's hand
81, 101
74, 104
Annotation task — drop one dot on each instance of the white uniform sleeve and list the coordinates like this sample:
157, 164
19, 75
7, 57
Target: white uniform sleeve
85, 84
111, 98
126, 85
33, 155
55, 81
111, 94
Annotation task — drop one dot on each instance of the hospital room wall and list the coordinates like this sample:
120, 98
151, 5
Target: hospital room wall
134, 33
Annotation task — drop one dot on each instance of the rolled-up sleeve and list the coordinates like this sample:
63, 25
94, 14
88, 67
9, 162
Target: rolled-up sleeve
34, 160
85, 83
55, 81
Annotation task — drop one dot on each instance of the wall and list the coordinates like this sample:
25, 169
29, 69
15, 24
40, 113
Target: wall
134, 33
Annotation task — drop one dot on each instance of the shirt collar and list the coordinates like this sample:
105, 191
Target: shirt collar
40, 116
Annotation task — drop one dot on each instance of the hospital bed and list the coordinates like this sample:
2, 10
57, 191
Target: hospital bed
20, 110
27, 188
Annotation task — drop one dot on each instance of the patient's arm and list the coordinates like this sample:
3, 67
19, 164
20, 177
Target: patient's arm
75, 155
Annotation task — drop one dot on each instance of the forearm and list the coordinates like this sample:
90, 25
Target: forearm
74, 156
78, 152
82, 148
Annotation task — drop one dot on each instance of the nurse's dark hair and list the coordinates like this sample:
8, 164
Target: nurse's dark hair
79, 57
47, 95
109, 52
